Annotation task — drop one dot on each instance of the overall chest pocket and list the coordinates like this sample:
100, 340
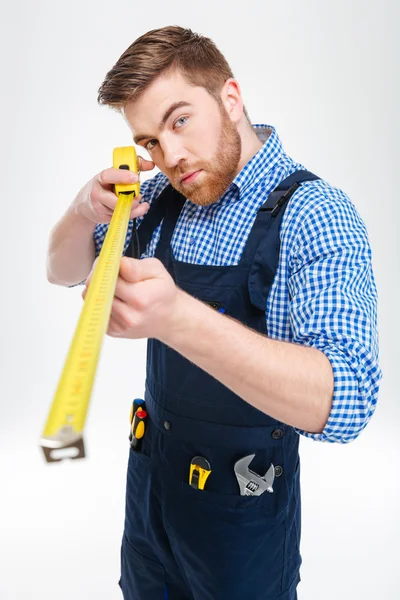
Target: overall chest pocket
222, 492
227, 299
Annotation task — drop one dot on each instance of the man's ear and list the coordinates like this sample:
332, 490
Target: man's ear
231, 97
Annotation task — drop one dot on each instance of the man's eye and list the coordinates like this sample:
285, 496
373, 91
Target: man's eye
181, 121
150, 145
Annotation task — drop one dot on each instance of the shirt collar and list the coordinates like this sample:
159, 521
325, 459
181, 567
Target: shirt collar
263, 161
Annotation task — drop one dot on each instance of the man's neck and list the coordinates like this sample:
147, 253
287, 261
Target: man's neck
250, 144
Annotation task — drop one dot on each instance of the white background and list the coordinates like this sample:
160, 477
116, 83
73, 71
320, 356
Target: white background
325, 75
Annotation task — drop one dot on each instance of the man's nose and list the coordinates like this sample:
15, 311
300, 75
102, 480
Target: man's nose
174, 151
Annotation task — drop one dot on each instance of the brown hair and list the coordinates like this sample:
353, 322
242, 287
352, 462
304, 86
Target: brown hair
159, 51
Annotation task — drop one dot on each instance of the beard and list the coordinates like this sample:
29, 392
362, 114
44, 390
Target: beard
218, 173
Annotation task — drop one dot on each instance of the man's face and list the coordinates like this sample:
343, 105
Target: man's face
188, 135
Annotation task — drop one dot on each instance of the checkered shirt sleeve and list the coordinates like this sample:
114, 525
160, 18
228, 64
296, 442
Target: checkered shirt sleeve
333, 306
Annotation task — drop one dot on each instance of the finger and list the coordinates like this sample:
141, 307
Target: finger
111, 176
114, 329
122, 292
120, 321
145, 165
114, 334
106, 201
133, 270
139, 210
117, 322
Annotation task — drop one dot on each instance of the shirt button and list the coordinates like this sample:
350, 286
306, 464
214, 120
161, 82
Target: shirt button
167, 425
277, 434
192, 241
278, 471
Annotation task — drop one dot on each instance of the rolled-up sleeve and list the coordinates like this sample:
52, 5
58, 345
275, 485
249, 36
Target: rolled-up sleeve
333, 307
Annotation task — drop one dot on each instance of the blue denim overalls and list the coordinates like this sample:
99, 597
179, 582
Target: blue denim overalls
183, 543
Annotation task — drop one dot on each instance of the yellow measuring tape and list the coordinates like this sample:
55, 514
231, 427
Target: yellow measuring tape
63, 432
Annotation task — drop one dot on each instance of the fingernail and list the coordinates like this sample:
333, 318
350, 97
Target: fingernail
134, 177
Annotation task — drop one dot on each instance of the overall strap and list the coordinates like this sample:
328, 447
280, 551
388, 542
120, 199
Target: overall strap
283, 192
173, 204
169, 198
266, 231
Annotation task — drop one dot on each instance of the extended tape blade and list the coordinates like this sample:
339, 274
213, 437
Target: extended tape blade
66, 419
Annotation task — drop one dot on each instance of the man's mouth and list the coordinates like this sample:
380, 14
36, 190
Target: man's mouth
189, 177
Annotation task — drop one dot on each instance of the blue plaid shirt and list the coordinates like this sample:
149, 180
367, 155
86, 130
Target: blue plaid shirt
323, 294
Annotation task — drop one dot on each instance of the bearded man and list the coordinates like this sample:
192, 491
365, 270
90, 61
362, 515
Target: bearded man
255, 289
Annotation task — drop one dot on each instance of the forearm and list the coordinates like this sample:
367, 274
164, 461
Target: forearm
71, 250
289, 382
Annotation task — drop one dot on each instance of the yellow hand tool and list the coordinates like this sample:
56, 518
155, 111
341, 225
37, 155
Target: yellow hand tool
136, 405
138, 428
200, 469
62, 436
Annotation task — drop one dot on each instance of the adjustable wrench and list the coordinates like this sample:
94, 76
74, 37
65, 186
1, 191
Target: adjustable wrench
250, 482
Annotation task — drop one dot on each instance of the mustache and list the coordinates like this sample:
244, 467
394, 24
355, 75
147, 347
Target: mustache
184, 168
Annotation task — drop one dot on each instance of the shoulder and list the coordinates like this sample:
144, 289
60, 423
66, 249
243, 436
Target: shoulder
319, 209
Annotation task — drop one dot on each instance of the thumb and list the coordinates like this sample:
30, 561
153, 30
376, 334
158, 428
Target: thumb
134, 270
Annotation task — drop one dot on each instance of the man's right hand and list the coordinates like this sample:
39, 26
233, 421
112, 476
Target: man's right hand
97, 201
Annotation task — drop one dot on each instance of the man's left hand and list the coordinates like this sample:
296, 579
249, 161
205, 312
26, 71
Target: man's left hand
145, 300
